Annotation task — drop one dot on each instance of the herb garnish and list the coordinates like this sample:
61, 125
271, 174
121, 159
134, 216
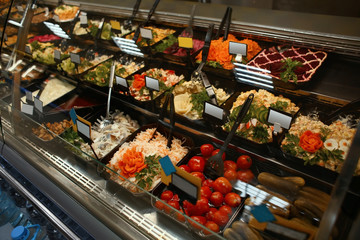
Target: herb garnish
146, 176
289, 67
198, 99
279, 105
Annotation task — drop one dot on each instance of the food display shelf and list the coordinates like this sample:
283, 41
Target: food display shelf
116, 211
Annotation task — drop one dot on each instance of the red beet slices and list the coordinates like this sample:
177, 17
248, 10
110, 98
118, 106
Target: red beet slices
270, 59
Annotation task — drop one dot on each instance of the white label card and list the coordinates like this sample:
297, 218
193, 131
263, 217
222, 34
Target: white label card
57, 54
83, 128
184, 185
214, 111
276, 117
56, 18
28, 109
20, 8
237, 48
75, 58
83, 19
121, 81
38, 104
146, 33
152, 83
27, 49
29, 96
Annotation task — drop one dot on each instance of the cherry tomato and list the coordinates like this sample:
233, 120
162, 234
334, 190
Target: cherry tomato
230, 174
212, 226
196, 164
199, 175
175, 197
205, 191
232, 199
216, 199
159, 205
185, 168
228, 164
226, 209
210, 214
202, 206
199, 219
222, 185
221, 218
244, 162
179, 216
206, 150
174, 204
208, 182
216, 152
166, 195
245, 175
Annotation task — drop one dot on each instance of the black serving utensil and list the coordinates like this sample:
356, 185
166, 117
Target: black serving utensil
128, 22
225, 22
214, 166
151, 12
352, 106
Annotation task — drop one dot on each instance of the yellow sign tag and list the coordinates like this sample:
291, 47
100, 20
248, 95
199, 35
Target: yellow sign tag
115, 25
185, 42
74, 127
165, 179
194, 180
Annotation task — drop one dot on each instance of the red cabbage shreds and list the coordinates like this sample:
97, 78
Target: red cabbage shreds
271, 59
44, 38
181, 52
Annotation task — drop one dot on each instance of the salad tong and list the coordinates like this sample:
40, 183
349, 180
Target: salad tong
128, 22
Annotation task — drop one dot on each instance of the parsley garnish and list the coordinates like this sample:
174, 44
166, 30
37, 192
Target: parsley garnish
279, 105
261, 134
198, 99
289, 67
146, 176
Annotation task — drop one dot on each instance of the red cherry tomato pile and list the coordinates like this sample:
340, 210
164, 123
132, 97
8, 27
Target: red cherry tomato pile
217, 202
239, 169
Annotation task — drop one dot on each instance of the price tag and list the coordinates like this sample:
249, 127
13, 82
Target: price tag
115, 25
38, 104
184, 185
73, 115
121, 81
152, 83
83, 20
281, 118
213, 111
20, 8
237, 48
262, 214
75, 58
185, 42
29, 96
28, 109
56, 18
146, 33
167, 165
27, 49
57, 54
84, 129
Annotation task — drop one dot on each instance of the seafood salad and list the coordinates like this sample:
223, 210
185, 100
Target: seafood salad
254, 126
138, 160
105, 139
167, 79
189, 98
318, 143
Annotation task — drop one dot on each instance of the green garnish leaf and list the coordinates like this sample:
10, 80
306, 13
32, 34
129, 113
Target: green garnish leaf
289, 67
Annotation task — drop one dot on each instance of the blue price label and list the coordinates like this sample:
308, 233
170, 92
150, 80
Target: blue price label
167, 165
262, 214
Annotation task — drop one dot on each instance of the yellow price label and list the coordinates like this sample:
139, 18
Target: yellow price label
185, 42
115, 25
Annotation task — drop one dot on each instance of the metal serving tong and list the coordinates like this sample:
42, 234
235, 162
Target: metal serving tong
225, 21
198, 75
108, 119
168, 100
151, 12
128, 22
188, 31
214, 166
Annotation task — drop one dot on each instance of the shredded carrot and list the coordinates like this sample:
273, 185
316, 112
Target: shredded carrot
219, 51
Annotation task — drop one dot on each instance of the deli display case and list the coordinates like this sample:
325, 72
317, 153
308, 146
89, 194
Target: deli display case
112, 110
